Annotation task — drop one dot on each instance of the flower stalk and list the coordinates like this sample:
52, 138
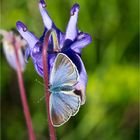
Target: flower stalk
46, 82
23, 95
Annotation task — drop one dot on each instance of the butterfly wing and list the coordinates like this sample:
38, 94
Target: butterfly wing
63, 102
63, 106
64, 72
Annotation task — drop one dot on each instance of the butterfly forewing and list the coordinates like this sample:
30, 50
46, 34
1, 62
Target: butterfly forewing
63, 72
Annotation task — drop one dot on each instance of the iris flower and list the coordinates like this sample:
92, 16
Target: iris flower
70, 43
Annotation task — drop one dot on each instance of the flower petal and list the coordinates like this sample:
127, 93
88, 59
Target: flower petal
27, 54
36, 52
39, 65
27, 35
48, 23
71, 31
83, 40
46, 18
9, 40
56, 47
81, 86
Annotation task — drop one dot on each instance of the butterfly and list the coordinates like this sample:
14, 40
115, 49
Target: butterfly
64, 103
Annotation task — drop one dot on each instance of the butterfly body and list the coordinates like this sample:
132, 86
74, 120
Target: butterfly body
60, 89
64, 103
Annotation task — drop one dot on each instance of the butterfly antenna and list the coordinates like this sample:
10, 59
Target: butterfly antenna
36, 80
39, 100
43, 97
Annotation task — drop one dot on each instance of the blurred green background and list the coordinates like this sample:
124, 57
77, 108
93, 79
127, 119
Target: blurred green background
111, 60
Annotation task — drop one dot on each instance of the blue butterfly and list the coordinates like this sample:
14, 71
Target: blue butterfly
64, 103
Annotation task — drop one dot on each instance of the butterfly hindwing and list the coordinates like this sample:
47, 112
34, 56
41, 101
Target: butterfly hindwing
63, 106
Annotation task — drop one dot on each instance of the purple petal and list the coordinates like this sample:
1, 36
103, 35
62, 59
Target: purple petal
72, 31
81, 86
83, 39
42, 2
46, 18
27, 35
27, 54
48, 23
51, 59
36, 51
39, 65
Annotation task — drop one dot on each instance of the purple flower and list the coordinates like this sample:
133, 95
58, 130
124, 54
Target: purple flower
9, 41
70, 43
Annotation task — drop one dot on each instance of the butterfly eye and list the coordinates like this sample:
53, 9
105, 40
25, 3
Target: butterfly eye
37, 50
